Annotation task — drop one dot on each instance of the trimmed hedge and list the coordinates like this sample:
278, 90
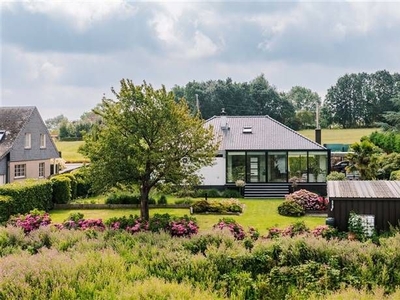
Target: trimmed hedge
6, 207
74, 184
61, 189
26, 195
83, 184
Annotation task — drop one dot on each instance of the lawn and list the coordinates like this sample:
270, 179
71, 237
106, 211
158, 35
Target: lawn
339, 136
261, 214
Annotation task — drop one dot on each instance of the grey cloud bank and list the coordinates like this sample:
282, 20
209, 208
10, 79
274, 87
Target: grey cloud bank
62, 56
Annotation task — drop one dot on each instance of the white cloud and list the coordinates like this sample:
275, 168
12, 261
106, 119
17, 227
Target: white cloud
80, 14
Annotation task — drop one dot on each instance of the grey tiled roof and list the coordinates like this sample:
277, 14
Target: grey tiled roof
12, 120
352, 189
267, 134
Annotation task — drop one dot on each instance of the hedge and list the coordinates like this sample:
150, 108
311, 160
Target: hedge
73, 183
25, 196
61, 189
6, 207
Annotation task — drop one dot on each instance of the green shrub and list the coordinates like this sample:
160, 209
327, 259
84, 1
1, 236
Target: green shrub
6, 207
211, 193
162, 200
74, 184
224, 206
83, 183
152, 201
184, 201
336, 176
61, 189
231, 194
290, 208
395, 175
123, 198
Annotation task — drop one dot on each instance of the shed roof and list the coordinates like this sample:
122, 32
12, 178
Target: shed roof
265, 133
353, 189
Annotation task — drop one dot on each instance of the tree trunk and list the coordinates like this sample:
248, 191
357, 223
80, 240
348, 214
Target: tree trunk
144, 202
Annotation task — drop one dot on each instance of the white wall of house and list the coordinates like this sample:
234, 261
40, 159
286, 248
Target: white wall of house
215, 174
31, 169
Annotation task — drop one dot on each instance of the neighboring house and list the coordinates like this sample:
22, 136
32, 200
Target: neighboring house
26, 148
266, 155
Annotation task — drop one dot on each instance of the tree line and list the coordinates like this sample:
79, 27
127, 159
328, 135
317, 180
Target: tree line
356, 100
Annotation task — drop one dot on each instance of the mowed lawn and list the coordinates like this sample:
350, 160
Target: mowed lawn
339, 136
261, 214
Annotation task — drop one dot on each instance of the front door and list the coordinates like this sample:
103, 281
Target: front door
256, 167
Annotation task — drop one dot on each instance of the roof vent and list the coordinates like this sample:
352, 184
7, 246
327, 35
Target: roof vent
247, 129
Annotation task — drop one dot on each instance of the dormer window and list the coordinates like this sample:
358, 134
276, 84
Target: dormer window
247, 129
2, 134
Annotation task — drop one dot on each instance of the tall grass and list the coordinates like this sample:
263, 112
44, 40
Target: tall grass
118, 265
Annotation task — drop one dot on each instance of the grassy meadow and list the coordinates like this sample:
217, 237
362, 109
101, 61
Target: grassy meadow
339, 136
69, 151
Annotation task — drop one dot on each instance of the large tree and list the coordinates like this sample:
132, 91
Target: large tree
146, 137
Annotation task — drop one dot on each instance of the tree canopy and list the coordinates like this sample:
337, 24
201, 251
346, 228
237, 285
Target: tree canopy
147, 137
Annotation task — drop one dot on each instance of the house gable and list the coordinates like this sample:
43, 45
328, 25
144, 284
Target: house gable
26, 147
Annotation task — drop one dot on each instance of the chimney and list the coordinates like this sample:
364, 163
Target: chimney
318, 128
224, 121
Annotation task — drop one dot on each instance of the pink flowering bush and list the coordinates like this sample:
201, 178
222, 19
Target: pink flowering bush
182, 228
230, 224
31, 221
175, 226
82, 224
308, 200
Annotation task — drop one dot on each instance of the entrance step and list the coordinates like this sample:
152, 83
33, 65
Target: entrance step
260, 190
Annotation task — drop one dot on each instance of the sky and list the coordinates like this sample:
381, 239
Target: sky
63, 56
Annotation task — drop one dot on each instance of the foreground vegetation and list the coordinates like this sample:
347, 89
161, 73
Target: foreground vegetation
72, 264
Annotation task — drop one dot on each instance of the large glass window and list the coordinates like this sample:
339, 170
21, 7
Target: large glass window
256, 169
298, 165
277, 171
317, 166
236, 166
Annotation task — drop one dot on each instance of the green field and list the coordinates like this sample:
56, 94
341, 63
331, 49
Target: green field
339, 136
69, 151
261, 214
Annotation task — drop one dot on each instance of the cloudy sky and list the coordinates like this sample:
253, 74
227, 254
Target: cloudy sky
61, 56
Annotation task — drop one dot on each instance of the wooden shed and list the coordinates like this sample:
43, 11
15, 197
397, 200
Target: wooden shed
380, 199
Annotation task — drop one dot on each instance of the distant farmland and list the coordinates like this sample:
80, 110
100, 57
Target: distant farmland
339, 136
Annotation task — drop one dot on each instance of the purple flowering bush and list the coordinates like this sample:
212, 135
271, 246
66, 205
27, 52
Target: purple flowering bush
31, 221
308, 200
175, 226
230, 224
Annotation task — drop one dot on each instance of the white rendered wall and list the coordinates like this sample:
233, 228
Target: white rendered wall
215, 174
